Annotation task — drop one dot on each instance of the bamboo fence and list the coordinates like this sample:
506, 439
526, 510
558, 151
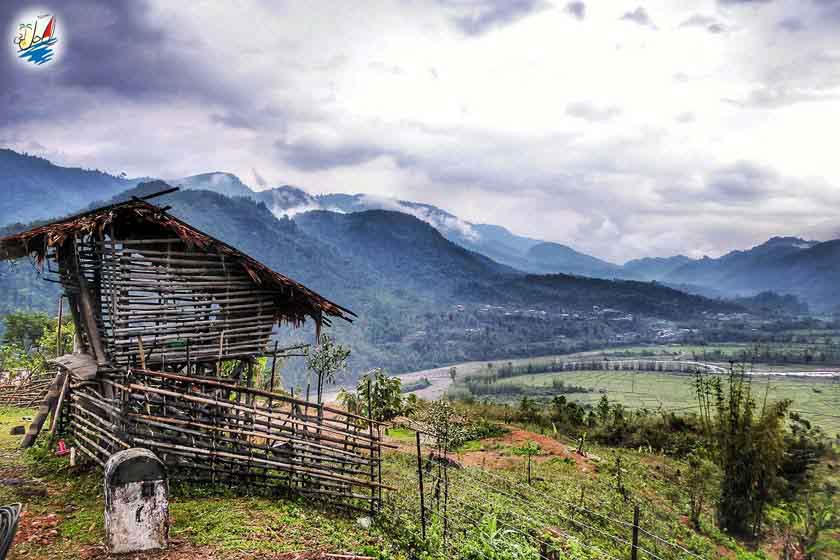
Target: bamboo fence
210, 430
26, 393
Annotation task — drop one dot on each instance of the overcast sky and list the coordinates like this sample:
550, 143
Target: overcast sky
646, 127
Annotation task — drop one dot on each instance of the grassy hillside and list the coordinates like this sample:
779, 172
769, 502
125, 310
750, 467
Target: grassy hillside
490, 511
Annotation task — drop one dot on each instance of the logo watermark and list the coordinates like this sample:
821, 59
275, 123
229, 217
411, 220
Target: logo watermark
35, 39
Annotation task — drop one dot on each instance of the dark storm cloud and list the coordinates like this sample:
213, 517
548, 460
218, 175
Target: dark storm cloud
739, 184
640, 17
311, 156
708, 23
110, 50
742, 182
830, 9
791, 24
476, 17
576, 10
233, 119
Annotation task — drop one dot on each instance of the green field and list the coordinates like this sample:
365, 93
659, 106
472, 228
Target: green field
818, 399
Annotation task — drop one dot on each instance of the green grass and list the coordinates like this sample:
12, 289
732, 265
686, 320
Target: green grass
401, 434
817, 398
472, 445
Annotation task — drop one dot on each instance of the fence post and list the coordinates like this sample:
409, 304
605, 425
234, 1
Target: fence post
634, 551
420, 479
274, 368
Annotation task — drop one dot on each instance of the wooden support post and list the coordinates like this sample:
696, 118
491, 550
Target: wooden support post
634, 550
529, 469
274, 367
57, 409
89, 320
59, 350
420, 483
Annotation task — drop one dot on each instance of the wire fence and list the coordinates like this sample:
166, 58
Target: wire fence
453, 506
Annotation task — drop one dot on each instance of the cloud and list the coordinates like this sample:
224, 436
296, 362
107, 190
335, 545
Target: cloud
624, 152
311, 155
591, 112
708, 23
778, 96
258, 179
791, 24
576, 9
640, 17
443, 222
113, 49
735, 2
232, 120
741, 183
686, 117
476, 17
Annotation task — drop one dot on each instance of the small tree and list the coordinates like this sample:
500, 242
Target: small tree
24, 328
48, 343
377, 397
326, 360
528, 410
700, 483
618, 477
747, 444
448, 428
603, 410
528, 449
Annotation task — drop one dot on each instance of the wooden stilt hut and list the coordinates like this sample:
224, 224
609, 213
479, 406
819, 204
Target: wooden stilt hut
171, 324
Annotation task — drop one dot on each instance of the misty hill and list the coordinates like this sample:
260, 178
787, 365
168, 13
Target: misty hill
809, 270
29, 185
554, 257
496, 242
655, 268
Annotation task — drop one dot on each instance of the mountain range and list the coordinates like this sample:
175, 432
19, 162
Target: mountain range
808, 270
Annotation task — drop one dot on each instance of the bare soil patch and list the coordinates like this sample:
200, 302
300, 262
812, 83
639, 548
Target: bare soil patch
496, 452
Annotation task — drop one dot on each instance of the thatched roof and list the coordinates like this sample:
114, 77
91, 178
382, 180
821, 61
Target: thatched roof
134, 218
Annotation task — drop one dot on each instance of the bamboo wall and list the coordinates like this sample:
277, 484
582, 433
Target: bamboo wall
175, 303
